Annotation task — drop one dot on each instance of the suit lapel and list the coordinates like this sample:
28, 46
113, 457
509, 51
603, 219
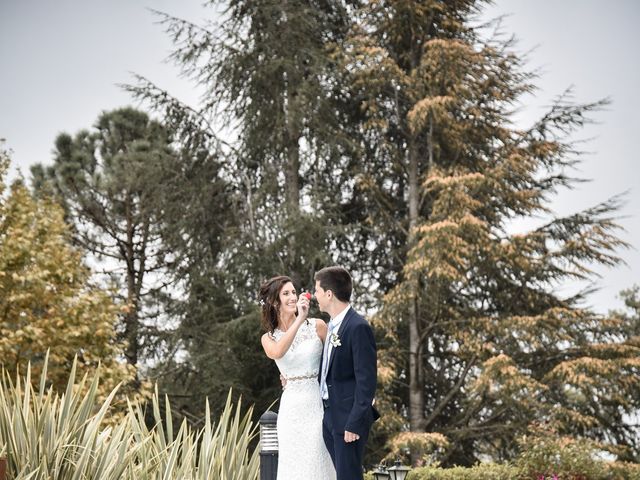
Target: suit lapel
343, 325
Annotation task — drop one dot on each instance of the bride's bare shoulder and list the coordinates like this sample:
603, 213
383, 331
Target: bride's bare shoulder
321, 327
267, 336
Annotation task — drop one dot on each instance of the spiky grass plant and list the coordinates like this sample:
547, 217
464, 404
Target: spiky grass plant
214, 452
45, 435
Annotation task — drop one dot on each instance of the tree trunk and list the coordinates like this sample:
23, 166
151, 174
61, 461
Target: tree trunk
292, 170
292, 183
131, 317
416, 389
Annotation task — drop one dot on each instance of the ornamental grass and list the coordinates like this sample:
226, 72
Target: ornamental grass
69, 435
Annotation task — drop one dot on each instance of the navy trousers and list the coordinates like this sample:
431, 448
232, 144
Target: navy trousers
346, 457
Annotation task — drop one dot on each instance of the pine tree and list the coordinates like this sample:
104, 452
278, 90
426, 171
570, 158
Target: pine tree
47, 301
266, 70
473, 320
111, 182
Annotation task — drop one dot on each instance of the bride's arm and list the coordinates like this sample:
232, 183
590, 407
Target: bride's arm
275, 350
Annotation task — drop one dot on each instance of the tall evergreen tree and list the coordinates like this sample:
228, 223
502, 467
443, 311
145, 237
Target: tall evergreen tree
267, 75
473, 320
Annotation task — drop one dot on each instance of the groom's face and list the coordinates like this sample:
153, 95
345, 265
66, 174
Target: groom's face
321, 297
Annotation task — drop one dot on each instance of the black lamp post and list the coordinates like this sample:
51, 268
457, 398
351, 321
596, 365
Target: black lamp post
381, 473
268, 446
398, 471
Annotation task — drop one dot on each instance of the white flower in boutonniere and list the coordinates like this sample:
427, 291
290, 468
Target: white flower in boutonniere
334, 339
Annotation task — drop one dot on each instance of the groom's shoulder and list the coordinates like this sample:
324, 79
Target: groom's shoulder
358, 317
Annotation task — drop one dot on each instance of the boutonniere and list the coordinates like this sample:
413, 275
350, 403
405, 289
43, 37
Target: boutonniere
334, 339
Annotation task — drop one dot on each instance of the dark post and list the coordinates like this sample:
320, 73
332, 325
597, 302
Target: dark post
3, 468
268, 446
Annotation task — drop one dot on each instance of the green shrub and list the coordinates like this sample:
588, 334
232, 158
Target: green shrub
547, 454
544, 456
607, 471
623, 471
488, 471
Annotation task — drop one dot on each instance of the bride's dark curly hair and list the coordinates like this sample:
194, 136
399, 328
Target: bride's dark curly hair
270, 302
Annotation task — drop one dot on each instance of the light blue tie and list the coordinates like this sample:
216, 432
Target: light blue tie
324, 392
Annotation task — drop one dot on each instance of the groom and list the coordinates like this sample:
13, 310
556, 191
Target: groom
347, 374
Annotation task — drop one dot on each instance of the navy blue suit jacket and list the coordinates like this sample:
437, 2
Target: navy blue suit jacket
352, 376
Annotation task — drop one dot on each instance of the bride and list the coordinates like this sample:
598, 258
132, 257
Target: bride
296, 343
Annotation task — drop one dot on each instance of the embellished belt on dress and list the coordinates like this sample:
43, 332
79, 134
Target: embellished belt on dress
302, 378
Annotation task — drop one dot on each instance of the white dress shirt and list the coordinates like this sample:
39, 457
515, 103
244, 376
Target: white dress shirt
334, 325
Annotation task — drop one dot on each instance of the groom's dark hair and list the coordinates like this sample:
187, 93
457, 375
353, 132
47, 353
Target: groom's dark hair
336, 279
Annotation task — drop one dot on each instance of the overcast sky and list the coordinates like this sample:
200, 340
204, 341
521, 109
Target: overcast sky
61, 61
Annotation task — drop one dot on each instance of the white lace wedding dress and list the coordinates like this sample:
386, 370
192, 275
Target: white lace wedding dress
302, 452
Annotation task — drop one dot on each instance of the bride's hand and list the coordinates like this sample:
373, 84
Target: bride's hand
303, 307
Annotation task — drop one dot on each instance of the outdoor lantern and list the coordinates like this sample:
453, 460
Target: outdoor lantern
268, 432
268, 446
381, 473
398, 471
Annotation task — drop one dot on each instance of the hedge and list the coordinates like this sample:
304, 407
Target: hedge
492, 471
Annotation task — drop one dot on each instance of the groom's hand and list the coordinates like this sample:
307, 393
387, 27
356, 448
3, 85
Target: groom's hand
350, 437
